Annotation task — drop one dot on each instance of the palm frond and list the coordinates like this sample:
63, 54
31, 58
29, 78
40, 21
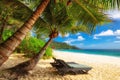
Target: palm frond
16, 9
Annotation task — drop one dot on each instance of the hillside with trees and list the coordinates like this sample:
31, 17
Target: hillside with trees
58, 45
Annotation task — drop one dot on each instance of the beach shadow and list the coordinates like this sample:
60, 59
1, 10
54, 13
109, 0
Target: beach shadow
38, 72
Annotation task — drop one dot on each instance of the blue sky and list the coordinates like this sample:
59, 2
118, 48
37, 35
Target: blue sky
106, 36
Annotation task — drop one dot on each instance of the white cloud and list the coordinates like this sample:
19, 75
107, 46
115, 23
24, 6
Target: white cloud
94, 37
116, 41
105, 33
66, 35
109, 33
113, 14
80, 38
70, 40
117, 32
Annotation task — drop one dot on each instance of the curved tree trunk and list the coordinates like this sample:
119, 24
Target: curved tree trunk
30, 64
3, 27
11, 43
2, 30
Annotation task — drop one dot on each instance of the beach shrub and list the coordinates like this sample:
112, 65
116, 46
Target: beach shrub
48, 53
6, 34
31, 46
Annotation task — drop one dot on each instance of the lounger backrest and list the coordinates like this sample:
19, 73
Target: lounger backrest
61, 63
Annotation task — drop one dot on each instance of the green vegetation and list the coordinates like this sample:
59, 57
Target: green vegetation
58, 45
6, 34
57, 16
31, 46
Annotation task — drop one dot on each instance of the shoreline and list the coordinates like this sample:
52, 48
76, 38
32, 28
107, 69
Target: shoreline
88, 53
91, 58
103, 68
100, 55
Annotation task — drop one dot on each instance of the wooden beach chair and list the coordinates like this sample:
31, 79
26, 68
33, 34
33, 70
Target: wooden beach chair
69, 67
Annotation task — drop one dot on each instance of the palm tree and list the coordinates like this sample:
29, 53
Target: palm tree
2, 28
9, 16
58, 20
11, 43
13, 15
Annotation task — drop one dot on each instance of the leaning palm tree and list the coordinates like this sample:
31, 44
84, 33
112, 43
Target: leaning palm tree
11, 43
11, 15
58, 20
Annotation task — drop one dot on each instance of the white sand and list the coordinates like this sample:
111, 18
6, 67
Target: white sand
103, 67
78, 57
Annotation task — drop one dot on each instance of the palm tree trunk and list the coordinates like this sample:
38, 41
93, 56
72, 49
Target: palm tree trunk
2, 29
33, 62
30, 64
11, 43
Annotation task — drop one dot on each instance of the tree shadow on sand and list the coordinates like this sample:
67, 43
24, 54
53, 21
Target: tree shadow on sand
39, 72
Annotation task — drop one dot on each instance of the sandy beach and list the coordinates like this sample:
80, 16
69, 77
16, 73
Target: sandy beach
103, 67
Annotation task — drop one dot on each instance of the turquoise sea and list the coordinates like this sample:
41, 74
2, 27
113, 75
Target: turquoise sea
106, 52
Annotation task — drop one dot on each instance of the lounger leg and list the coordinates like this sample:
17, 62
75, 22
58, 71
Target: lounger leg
72, 72
62, 73
86, 71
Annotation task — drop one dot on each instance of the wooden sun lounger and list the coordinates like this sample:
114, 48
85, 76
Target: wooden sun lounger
69, 67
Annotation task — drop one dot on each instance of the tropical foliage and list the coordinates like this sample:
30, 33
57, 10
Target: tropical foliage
60, 16
11, 15
58, 19
13, 41
69, 19
31, 46
6, 34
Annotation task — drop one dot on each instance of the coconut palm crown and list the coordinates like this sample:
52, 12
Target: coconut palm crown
84, 11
